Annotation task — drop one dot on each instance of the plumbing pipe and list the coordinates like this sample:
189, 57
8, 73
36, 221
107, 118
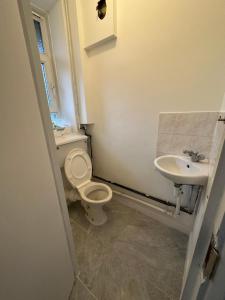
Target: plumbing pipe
143, 202
177, 195
141, 194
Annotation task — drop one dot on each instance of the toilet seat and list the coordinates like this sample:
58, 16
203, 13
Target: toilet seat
78, 168
94, 195
95, 192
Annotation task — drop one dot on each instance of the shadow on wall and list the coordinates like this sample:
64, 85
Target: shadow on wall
105, 46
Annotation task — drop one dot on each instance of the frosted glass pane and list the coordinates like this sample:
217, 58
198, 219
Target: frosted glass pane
48, 94
39, 38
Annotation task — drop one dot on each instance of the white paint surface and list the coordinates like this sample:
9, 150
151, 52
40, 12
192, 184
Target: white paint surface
168, 57
95, 29
61, 54
69, 138
34, 257
45, 5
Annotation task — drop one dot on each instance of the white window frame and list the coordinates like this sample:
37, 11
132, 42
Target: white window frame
46, 59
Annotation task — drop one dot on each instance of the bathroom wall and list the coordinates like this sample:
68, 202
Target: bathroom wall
34, 256
61, 54
168, 58
46, 5
180, 131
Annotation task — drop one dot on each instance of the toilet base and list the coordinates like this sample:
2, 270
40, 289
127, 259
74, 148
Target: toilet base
94, 213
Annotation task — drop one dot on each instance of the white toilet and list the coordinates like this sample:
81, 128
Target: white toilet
94, 195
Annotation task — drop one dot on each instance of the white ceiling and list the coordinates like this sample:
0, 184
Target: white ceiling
45, 5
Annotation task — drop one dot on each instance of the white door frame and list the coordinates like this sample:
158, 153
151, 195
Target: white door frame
193, 288
215, 288
29, 35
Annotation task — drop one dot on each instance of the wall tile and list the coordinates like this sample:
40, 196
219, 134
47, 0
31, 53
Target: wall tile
188, 130
185, 123
201, 144
167, 123
164, 142
180, 143
210, 125
160, 153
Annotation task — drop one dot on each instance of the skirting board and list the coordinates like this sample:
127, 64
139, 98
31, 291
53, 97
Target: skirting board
156, 210
182, 223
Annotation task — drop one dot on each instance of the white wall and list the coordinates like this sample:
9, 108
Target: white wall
77, 40
46, 5
97, 30
34, 257
169, 56
61, 54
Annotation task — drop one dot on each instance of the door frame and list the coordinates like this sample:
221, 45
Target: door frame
193, 287
215, 288
29, 34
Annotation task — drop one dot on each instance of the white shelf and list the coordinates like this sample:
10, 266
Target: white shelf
69, 138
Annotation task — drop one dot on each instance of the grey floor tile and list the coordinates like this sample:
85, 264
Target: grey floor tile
90, 253
116, 206
77, 213
118, 220
80, 292
130, 257
161, 253
125, 275
79, 236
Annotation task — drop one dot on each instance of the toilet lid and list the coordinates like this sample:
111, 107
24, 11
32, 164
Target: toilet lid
78, 167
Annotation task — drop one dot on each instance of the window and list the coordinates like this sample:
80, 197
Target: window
43, 46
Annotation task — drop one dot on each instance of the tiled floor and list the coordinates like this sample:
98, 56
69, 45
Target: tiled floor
131, 257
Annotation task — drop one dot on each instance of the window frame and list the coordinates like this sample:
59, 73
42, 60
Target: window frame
47, 60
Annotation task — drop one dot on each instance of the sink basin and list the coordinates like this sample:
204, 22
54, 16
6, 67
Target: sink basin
182, 170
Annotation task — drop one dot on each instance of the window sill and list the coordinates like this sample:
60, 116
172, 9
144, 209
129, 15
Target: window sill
69, 138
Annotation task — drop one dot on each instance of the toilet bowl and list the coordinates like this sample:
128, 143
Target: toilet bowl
94, 195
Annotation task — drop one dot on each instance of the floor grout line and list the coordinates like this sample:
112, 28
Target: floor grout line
166, 293
81, 227
73, 287
109, 247
89, 291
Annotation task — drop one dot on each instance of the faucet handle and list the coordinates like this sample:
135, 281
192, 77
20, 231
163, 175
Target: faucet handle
201, 157
195, 156
189, 152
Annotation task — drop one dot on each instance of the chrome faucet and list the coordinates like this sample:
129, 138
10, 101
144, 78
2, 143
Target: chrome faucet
195, 156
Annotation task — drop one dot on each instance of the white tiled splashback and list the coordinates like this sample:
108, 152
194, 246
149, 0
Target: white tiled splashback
186, 130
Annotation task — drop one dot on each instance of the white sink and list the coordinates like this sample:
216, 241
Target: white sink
182, 170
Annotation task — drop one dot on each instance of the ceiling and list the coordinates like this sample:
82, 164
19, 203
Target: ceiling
45, 5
